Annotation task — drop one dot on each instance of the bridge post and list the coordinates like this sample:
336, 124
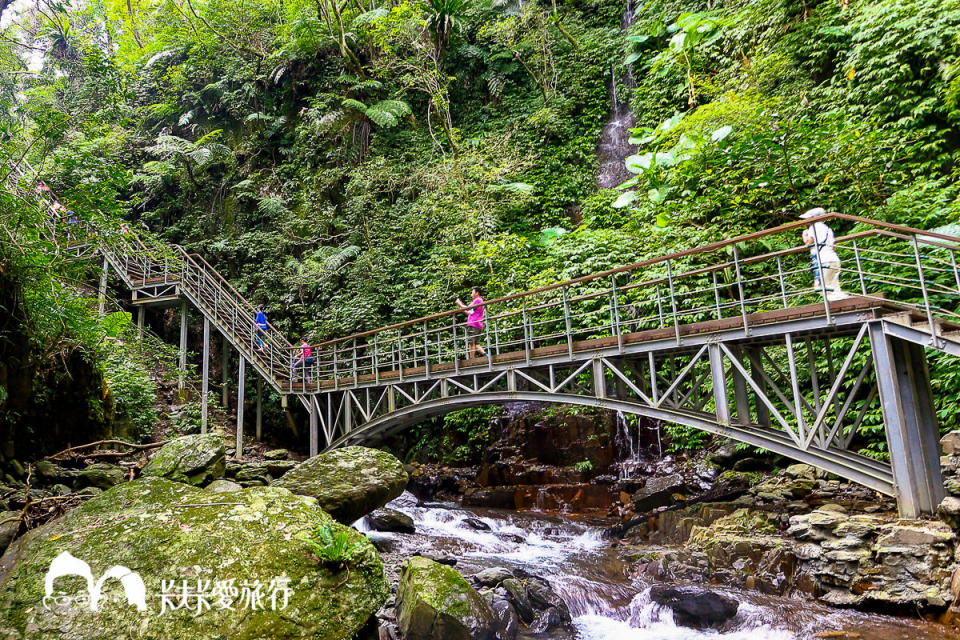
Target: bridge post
740, 388
910, 422
181, 378
756, 369
240, 389
205, 386
102, 291
599, 380
225, 390
314, 411
141, 316
259, 409
719, 378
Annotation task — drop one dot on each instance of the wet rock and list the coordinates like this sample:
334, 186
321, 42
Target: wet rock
197, 460
950, 443
16, 469
350, 482
476, 524
435, 602
511, 537
279, 467
542, 596
154, 527
390, 520
508, 622
277, 454
438, 557
60, 490
658, 491
493, 576
100, 475
949, 511
518, 596
728, 453
692, 607
253, 471
494, 498
545, 621
223, 486
90, 491
47, 470
8, 529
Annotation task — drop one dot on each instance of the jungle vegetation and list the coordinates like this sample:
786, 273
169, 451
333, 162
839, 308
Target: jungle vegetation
348, 163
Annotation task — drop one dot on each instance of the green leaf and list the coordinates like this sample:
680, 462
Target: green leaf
350, 103
624, 200
639, 163
658, 195
638, 39
632, 57
721, 133
663, 220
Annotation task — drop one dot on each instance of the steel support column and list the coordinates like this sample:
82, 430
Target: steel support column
102, 291
205, 386
141, 316
314, 435
719, 378
241, 384
225, 390
910, 420
182, 364
259, 409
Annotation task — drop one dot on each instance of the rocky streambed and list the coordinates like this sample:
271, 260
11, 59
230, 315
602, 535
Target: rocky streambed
525, 564
667, 547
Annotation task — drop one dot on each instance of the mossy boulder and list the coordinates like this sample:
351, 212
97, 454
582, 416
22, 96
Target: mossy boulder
348, 483
196, 460
435, 602
100, 475
169, 531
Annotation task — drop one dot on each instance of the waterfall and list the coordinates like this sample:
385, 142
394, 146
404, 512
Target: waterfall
614, 144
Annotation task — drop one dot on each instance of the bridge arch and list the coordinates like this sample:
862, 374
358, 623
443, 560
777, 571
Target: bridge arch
852, 466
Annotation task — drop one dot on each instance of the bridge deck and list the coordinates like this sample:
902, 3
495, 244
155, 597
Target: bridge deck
875, 305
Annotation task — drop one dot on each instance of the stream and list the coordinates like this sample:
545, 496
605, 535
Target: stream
607, 601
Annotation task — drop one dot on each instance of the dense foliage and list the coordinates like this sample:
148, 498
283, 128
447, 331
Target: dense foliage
349, 164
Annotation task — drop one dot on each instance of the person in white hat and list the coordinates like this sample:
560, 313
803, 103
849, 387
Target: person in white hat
824, 260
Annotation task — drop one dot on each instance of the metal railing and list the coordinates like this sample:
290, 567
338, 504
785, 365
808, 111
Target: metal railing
724, 284
718, 286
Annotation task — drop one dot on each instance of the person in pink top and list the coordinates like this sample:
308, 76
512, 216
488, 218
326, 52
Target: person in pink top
474, 312
303, 359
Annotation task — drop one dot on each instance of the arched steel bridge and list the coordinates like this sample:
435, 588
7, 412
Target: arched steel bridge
731, 338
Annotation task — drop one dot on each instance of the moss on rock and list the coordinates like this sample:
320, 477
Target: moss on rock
196, 460
437, 603
348, 483
166, 530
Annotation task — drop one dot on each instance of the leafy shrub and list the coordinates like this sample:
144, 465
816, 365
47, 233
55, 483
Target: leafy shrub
333, 549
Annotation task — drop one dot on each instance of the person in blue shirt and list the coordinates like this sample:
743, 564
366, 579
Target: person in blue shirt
261, 322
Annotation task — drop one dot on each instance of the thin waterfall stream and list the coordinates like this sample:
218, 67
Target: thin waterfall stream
614, 146
599, 582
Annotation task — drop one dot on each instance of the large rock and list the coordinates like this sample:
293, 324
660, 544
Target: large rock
9, 528
434, 602
349, 483
196, 460
168, 531
658, 492
390, 520
692, 607
950, 443
100, 475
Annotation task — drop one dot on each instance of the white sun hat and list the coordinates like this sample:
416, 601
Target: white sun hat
813, 213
